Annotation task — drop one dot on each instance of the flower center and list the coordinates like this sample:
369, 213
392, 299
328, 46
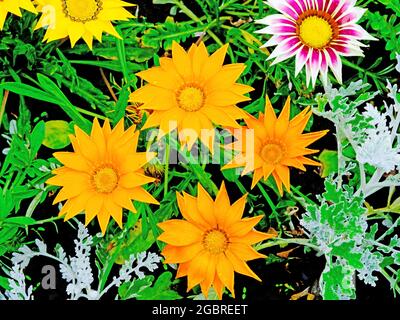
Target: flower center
316, 32
82, 10
191, 98
272, 153
215, 241
105, 180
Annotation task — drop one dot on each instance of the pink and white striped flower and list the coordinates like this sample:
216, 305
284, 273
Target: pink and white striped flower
317, 32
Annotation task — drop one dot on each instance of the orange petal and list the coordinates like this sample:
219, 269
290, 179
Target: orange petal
226, 272
205, 205
240, 228
244, 251
252, 237
179, 232
181, 254
240, 266
188, 207
197, 271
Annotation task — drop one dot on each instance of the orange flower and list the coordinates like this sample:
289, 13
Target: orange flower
212, 242
192, 91
278, 144
103, 174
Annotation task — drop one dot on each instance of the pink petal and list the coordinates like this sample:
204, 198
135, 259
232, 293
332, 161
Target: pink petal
346, 5
302, 56
320, 5
324, 68
350, 32
295, 6
302, 5
308, 73
288, 54
275, 40
280, 29
335, 63
315, 64
283, 7
275, 19
343, 50
285, 46
333, 6
347, 49
351, 17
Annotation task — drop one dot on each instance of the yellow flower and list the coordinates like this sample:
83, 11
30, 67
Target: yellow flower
102, 175
192, 91
212, 242
14, 7
78, 19
278, 144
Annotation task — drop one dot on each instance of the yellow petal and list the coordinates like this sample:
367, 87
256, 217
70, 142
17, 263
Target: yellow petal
181, 61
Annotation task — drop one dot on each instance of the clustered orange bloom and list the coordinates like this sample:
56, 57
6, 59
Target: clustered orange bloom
192, 90
278, 143
212, 242
103, 174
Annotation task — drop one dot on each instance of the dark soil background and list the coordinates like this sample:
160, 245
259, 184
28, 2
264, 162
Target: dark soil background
299, 271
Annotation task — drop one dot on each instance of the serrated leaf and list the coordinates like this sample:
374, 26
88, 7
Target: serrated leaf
346, 251
160, 290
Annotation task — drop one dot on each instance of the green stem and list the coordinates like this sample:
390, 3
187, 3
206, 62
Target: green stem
166, 173
267, 197
89, 113
391, 280
196, 168
280, 242
358, 68
52, 219
195, 18
201, 175
3, 105
241, 186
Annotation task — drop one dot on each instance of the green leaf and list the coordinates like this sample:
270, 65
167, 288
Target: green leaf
122, 103
36, 138
52, 94
160, 290
20, 221
329, 161
4, 283
346, 251
338, 282
129, 290
6, 203
57, 134
7, 233
29, 91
